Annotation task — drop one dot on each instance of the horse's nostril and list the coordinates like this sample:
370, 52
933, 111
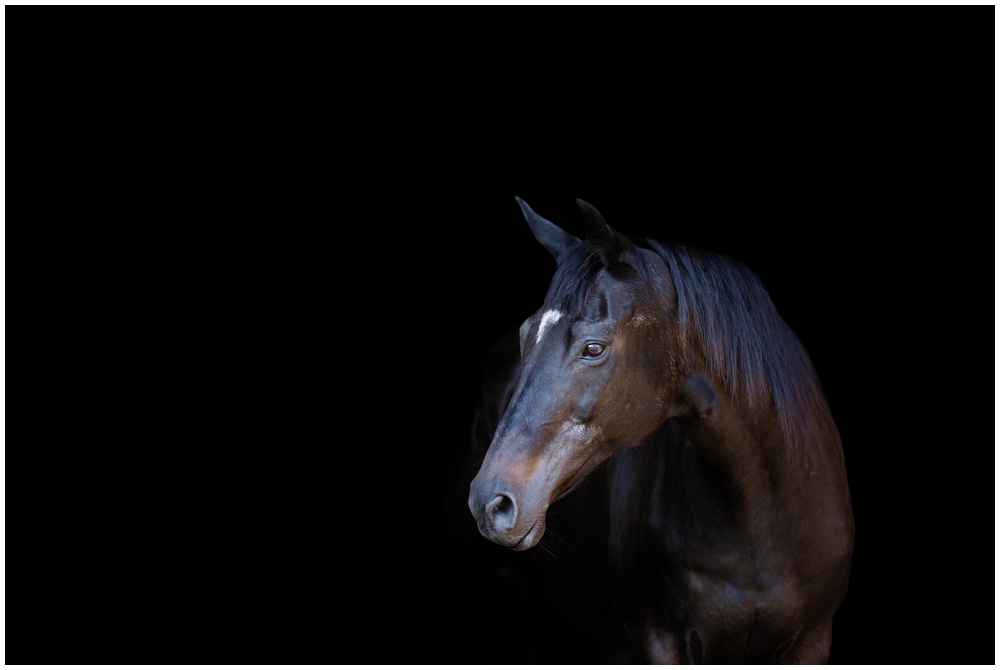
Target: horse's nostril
502, 513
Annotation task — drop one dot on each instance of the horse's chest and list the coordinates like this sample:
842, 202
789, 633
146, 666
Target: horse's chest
719, 609
739, 617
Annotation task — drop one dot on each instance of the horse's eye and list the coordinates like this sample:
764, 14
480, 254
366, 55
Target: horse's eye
593, 350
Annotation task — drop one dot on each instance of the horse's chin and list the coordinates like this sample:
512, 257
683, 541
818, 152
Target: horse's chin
532, 537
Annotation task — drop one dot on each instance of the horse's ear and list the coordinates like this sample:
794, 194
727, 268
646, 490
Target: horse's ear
611, 244
551, 236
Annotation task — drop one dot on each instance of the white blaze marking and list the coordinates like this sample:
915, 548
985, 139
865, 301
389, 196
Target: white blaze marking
548, 319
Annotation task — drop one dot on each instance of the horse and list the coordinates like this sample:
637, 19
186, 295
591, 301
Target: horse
723, 504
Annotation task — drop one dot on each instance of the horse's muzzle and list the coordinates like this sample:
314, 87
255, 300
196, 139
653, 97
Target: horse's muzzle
497, 514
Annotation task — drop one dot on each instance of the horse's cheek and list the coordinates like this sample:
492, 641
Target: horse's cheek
587, 394
612, 408
637, 407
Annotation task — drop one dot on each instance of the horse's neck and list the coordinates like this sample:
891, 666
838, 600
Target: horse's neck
742, 448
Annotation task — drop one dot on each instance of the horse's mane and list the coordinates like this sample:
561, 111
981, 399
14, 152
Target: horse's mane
725, 311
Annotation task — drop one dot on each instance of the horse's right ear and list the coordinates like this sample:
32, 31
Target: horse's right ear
551, 236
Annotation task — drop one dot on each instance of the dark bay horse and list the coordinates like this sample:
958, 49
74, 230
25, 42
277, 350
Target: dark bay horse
723, 507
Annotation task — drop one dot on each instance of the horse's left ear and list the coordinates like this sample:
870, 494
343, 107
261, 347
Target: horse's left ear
551, 236
611, 244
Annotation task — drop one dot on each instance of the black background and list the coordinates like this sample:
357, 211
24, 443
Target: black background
338, 270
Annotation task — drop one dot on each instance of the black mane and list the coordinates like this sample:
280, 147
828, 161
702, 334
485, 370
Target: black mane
722, 305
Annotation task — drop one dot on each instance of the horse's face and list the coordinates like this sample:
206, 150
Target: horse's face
596, 366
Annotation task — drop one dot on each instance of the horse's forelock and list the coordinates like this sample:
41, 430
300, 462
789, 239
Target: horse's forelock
575, 276
578, 272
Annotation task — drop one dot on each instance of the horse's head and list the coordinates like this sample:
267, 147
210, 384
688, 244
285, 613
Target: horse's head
598, 371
